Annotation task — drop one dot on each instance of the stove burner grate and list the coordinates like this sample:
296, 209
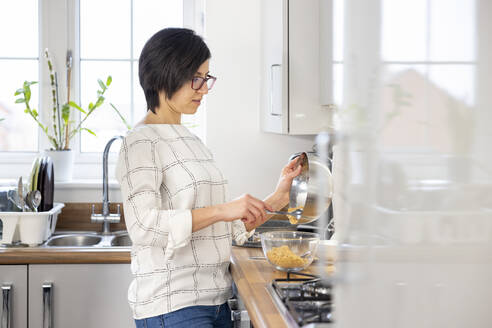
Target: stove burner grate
308, 300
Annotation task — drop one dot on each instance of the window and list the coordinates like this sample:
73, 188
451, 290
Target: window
428, 67
103, 42
112, 47
18, 62
429, 70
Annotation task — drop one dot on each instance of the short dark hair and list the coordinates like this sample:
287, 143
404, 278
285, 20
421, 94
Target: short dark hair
169, 59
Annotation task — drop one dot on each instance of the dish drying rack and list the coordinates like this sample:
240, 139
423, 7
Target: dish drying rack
28, 228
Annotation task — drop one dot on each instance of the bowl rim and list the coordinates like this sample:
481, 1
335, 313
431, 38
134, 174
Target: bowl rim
282, 234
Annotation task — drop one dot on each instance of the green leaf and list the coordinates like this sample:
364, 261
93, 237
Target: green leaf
91, 106
128, 126
101, 84
99, 101
19, 91
27, 85
109, 80
26, 111
35, 113
27, 95
20, 100
65, 113
91, 132
74, 105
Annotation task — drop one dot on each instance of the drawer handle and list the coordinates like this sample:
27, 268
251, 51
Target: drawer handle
47, 305
6, 305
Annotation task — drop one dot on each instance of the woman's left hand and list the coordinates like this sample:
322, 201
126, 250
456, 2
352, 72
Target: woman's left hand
288, 173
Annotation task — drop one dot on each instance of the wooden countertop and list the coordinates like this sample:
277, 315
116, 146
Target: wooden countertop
251, 278
60, 255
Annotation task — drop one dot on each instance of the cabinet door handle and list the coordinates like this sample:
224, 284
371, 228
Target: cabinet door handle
47, 305
6, 306
276, 90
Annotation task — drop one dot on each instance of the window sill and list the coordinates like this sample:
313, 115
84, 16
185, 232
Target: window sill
79, 190
73, 184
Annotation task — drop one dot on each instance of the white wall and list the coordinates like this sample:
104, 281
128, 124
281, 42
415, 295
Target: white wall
250, 159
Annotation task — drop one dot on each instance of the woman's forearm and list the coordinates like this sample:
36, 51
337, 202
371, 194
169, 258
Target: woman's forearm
246, 207
277, 201
203, 217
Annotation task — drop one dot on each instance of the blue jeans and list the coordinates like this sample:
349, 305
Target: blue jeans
206, 316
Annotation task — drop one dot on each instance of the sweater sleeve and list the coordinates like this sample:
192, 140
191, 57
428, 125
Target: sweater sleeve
239, 232
139, 173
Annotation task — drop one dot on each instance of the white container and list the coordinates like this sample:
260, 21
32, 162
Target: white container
62, 164
31, 228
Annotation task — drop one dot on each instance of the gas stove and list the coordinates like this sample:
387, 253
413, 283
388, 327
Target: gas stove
305, 302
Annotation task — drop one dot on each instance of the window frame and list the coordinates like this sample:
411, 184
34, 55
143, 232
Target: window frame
61, 35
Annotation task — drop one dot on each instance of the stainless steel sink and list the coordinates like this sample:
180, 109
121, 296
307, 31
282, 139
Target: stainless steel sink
74, 240
89, 239
121, 240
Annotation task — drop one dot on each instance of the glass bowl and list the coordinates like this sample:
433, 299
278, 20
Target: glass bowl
289, 251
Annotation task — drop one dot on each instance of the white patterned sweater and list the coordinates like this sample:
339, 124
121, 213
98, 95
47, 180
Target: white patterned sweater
165, 171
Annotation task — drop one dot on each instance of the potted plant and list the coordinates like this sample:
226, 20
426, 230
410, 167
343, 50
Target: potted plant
62, 128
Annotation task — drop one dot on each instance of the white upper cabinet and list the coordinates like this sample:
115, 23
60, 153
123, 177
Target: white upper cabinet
296, 66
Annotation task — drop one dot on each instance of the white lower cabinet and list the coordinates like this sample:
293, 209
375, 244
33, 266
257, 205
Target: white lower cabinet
13, 280
81, 295
68, 295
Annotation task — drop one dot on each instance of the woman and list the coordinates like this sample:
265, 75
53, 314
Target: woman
175, 196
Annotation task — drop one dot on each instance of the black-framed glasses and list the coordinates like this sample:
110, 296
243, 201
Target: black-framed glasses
198, 81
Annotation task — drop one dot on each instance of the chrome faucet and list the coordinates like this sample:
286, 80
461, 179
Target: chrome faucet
106, 217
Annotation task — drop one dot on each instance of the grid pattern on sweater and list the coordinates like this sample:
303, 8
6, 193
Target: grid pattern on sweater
165, 171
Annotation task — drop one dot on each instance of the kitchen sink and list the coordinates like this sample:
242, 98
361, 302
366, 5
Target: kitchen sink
89, 239
74, 240
121, 240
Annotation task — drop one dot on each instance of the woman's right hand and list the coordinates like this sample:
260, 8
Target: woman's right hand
247, 208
